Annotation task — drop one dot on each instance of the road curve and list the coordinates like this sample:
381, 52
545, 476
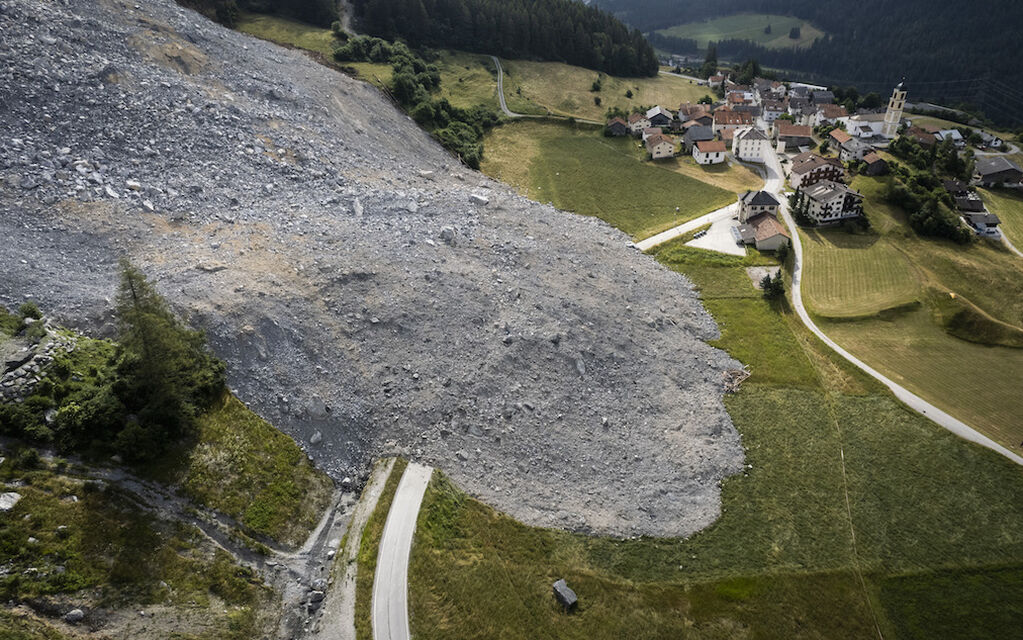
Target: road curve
1011, 246
511, 114
686, 227
390, 584
912, 400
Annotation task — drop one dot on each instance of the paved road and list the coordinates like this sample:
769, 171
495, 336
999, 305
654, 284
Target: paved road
390, 585
914, 401
511, 114
720, 214
1011, 246
699, 81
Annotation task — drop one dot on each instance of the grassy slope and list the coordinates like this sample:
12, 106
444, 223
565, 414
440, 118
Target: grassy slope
582, 171
565, 90
252, 472
927, 508
367, 557
977, 383
1007, 205
115, 554
748, 26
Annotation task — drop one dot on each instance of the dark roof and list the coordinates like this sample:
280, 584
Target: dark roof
699, 132
982, 217
759, 198
996, 164
751, 134
969, 204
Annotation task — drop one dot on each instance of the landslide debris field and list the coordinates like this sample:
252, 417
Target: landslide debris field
369, 293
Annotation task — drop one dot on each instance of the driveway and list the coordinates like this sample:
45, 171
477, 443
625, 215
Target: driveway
719, 238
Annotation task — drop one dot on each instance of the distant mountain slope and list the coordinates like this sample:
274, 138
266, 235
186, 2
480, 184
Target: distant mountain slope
950, 50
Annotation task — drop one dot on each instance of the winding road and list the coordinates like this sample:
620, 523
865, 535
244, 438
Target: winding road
774, 183
511, 114
390, 584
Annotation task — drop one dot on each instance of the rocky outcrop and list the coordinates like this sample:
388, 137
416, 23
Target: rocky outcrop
360, 283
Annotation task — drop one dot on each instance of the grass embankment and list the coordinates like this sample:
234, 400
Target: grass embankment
748, 26
368, 548
935, 519
582, 171
954, 347
566, 90
1008, 206
69, 537
243, 467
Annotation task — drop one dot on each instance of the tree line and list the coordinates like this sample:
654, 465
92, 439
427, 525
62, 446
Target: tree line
227, 12
559, 30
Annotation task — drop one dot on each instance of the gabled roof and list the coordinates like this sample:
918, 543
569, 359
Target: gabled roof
982, 217
751, 133
766, 226
995, 164
711, 146
833, 111
794, 130
759, 198
699, 132
636, 117
658, 139
808, 161
840, 136
872, 157
732, 117
659, 111
617, 121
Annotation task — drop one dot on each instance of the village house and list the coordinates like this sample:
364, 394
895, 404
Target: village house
865, 125
829, 114
659, 117
972, 210
809, 168
709, 152
829, 202
983, 223
772, 110
750, 144
716, 81
798, 106
731, 120
687, 110
660, 146
822, 97
997, 170
924, 138
638, 122
875, 165
754, 203
854, 149
651, 131
704, 119
758, 222
793, 136
951, 134
698, 133
618, 127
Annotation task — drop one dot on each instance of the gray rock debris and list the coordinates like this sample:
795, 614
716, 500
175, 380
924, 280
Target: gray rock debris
310, 188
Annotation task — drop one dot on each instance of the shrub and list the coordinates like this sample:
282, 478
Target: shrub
30, 310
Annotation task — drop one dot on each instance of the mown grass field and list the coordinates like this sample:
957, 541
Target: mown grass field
288, 32
833, 459
1008, 206
748, 26
959, 368
579, 170
566, 90
855, 275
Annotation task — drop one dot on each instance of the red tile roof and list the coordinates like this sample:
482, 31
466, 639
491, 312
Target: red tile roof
841, 137
711, 146
787, 129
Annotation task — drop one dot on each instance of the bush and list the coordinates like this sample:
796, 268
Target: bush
30, 310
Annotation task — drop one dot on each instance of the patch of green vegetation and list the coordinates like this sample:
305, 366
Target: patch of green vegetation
287, 32
843, 493
367, 557
1008, 206
748, 26
581, 171
243, 467
23, 626
955, 605
68, 534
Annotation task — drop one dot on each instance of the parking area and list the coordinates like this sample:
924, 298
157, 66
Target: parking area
719, 238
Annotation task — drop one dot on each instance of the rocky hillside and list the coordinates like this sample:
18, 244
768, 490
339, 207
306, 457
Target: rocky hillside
369, 294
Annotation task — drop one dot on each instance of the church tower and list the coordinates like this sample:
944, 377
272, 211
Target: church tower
893, 116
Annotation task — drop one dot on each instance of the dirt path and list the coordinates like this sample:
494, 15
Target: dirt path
338, 619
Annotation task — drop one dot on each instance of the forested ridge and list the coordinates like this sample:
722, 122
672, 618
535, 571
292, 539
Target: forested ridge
561, 30
958, 52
